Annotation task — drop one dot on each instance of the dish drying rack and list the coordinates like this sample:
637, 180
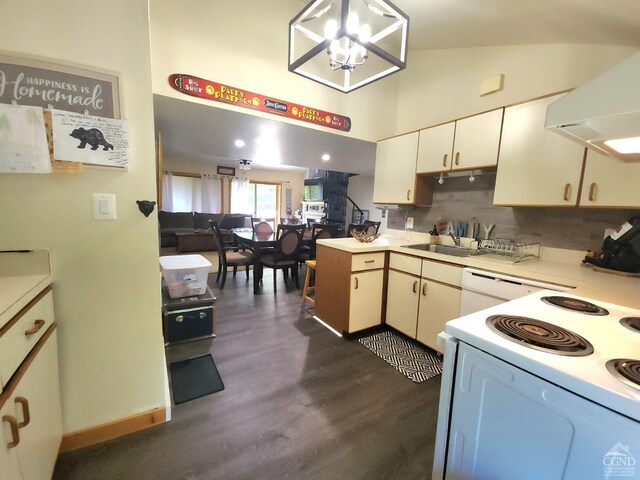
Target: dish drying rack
516, 252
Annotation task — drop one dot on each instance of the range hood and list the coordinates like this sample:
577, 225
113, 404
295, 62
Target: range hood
603, 114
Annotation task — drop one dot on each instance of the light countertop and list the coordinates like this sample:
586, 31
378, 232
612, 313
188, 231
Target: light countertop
562, 267
22, 277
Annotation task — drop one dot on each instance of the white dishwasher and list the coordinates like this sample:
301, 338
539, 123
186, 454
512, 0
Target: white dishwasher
483, 289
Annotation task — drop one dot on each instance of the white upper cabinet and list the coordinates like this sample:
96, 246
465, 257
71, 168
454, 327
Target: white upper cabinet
435, 148
609, 182
536, 166
395, 179
396, 169
477, 141
465, 144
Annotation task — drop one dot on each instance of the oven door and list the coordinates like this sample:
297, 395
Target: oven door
506, 423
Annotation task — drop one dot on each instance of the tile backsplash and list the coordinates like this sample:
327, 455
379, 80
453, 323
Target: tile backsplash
458, 199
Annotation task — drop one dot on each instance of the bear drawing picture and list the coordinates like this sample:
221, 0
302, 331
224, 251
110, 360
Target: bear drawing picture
93, 137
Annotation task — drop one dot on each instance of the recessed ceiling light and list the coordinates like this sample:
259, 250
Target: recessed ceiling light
239, 143
326, 157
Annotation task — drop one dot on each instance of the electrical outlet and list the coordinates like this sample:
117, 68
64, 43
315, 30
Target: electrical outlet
409, 223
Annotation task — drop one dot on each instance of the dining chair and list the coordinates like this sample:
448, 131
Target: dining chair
318, 231
285, 254
263, 226
229, 256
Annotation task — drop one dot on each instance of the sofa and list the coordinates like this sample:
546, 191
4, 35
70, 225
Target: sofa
171, 223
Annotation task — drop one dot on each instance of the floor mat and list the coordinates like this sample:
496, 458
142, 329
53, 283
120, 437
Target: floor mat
414, 360
194, 378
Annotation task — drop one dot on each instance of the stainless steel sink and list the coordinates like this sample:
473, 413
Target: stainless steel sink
444, 249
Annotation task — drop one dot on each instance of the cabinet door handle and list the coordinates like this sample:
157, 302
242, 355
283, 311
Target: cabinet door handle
424, 289
37, 325
369, 261
202, 315
409, 194
180, 318
567, 187
457, 158
14, 430
592, 192
24, 403
444, 159
415, 286
356, 278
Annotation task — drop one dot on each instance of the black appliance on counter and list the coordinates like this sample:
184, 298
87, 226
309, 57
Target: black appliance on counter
188, 318
620, 250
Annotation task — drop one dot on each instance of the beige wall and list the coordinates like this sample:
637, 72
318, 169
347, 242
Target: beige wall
442, 85
106, 280
293, 179
243, 43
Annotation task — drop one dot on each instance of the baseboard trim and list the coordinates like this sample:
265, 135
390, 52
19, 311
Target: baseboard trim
109, 431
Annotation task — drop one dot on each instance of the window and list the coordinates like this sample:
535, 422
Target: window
186, 194
265, 199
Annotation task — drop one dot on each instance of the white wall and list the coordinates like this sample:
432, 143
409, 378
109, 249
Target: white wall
106, 279
244, 43
442, 85
360, 190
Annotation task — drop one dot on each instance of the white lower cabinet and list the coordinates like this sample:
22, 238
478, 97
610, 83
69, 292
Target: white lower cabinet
349, 288
31, 415
365, 301
422, 296
439, 303
402, 302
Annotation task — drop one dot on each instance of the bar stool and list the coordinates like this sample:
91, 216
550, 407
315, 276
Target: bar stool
308, 289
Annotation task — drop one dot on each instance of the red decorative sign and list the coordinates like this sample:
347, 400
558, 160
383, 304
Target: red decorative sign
201, 88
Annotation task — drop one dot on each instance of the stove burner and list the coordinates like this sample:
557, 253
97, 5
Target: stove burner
540, 335
626, 370
575, 304
632, 323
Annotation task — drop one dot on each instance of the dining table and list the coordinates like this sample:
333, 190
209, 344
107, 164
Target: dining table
260, 243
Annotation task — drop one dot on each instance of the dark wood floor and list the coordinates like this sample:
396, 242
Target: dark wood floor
298, 403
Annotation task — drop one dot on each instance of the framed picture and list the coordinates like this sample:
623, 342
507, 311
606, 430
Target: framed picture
228, 171
39, 83
357, 217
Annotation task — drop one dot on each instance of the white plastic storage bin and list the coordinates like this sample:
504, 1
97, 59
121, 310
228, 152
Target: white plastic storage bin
185, 275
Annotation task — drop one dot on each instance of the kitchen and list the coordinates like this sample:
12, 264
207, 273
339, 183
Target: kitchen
114, 352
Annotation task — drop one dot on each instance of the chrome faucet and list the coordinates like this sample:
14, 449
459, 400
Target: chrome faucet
456, 239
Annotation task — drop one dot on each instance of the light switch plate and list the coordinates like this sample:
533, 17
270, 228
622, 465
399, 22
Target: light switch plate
409, 223
104, 206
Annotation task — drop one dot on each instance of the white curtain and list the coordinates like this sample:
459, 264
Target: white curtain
167, 192
210, 194
240, 196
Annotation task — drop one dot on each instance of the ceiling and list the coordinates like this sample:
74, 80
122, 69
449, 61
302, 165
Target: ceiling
206, 133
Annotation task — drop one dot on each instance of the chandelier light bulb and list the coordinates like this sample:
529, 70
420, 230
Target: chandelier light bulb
330, 29
472, 178
441, 179
352, 23
365, 33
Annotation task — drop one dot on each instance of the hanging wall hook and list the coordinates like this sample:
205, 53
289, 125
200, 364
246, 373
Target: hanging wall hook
146, 206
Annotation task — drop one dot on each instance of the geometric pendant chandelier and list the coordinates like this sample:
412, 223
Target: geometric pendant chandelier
346, 44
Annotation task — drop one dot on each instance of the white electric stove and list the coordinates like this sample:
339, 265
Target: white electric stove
518, 408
